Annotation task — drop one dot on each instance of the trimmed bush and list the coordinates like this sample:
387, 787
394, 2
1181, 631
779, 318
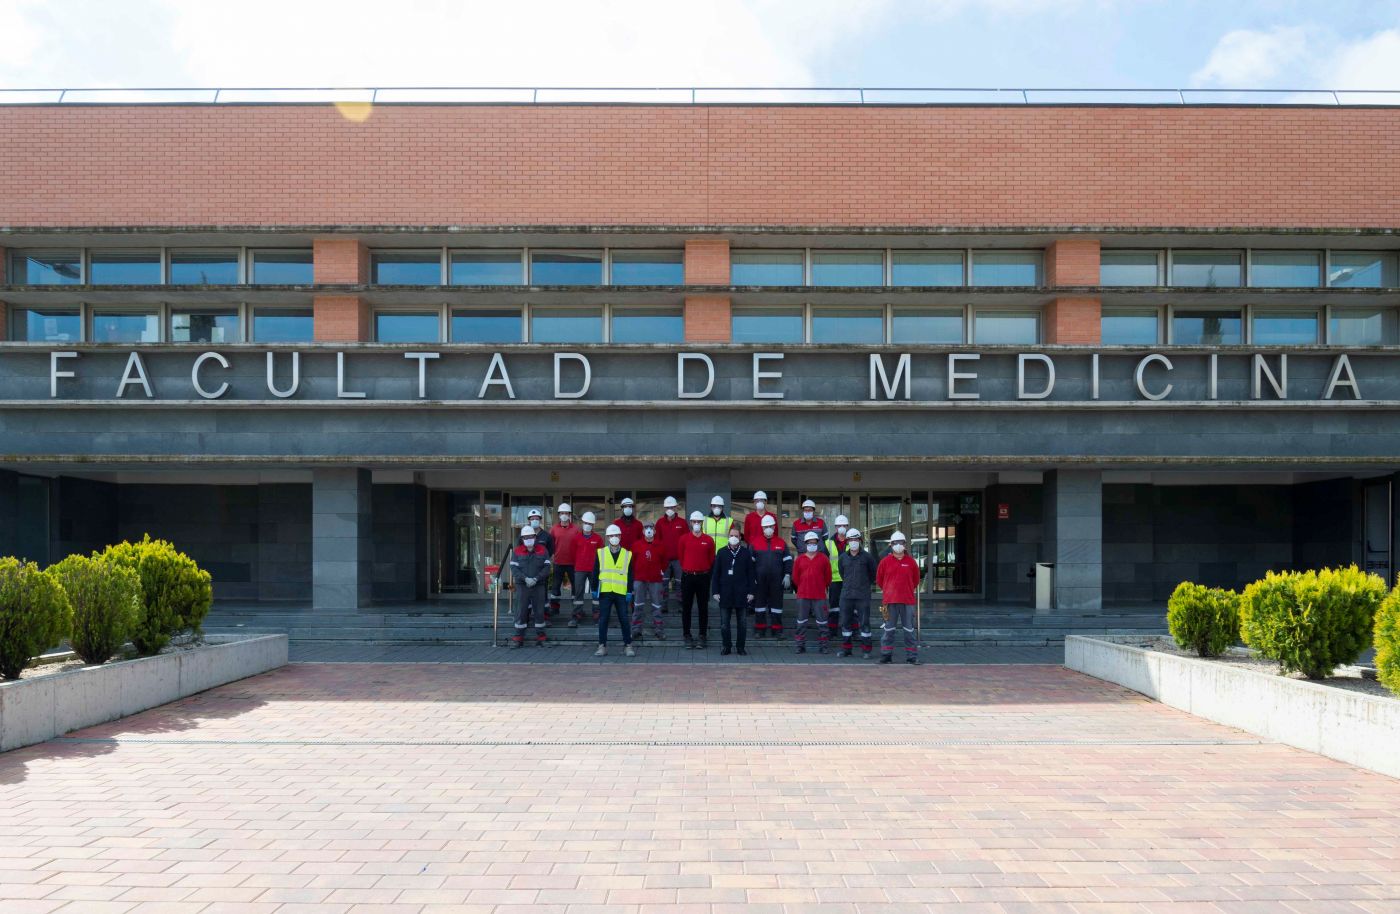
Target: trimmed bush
1387, 638
34, 614
106, 600
1203, 619
175, 592
1311, 621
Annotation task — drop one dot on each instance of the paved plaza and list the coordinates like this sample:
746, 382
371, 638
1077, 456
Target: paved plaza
710, 788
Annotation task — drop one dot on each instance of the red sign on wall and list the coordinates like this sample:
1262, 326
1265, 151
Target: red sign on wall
1003, 512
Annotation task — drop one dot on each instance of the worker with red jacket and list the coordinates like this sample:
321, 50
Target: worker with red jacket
669, 529
628, 523
648, 564
809, 522
586, 569
897, 576
565, 534
772, 574
755, 519
529, 569
697, 554
811, 575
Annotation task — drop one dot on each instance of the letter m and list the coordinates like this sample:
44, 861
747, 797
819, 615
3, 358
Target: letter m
877, 371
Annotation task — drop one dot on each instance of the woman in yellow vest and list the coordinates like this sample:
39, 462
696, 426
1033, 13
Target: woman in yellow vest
718, 524
614, 584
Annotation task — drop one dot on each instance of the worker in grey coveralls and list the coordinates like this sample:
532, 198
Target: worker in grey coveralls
529, 573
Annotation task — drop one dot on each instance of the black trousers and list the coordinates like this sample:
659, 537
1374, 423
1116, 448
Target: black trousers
695, 590
729, 616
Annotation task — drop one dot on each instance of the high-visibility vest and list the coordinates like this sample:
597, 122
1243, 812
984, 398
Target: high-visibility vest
719, 527
835, 555
612, 572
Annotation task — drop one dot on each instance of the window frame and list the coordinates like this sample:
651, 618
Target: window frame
21, 253
91, 312
1161, 258
438, 253
611, 254
523, 310
810, 266
1321, 278
531, 253
1171, 266
611, 312
522, 261
240, 311
1318, 314
801, 252
251, 255
1158, 312
972, 266
531, 307
1242, 311
162, 264
964, 257
15, 310
405, 310
250, 336
1036, 312
240, 268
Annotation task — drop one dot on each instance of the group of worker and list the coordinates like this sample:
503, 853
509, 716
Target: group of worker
635, 567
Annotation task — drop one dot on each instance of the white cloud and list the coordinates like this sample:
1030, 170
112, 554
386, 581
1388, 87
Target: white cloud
1246, 59
1302, 57
1373, 63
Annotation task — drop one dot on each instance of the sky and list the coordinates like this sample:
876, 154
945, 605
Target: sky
1286, 44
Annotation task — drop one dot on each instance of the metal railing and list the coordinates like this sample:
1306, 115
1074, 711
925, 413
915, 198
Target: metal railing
694, 95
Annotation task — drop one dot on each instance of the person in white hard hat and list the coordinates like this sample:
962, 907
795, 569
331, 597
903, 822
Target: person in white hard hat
614, 584
834, 545
529, 570
585, 568
565, 534
535, 519
808, 522
858, 569
773, 570
648, 589
897, 576
755, 519
670, 527
629, 523
697, 558
811, 573
718, 524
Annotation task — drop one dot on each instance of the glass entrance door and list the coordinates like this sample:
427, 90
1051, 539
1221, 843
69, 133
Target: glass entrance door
1376, 521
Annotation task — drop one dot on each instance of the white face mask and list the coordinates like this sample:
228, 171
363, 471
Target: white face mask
626, 512
841, 531
734, 541
898, 547
696, 526
587, 528
716, 510
670, 512
564, 519
759, 505
853, 545
649, 533
535, 522
811, 547
529, 543
806, 515
768, 530
615, 541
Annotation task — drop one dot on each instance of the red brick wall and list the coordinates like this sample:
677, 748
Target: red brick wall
340, 260
1074, 320
707, 261
709, 166
707, 319
340, 318
1072, 262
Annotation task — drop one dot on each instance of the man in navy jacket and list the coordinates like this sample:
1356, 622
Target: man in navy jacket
732, 582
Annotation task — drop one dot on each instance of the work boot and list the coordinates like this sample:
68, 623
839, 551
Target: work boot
846, 651
801, 648
760, 633
540, 640
887, 658
573, 621
821, 648
602, 651
776, 633
629, 651
689, 643
743, 653
595, 618
660, 633
912, 660
517, 641
703, 645
724, 652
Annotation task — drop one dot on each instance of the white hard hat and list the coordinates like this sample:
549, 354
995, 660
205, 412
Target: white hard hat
627, 501
535, 512
811, 537
809, 504
853, 534
564, 508
896, 537
696, 515
670, 502
760, 495
769, 520
529, 531
614, 530
842, 521
588, 518
717, 500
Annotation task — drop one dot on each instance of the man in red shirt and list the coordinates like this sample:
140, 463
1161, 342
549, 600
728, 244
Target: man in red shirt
648, 562
697, 555
753, 521
807, 522
566, 535
669, 529
811, 575
586, 569
773, 570
897, 576
628, 523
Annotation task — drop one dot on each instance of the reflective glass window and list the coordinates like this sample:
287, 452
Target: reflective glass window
566, 325
1006, 327
1129, 268
582, 268
1006, 268
1129, 328
766, 268
407, 268
648, 268
766, 325
125, 327
1363, 270
648, 325
283, 268
283, 325
46, 268
1362, 327
124, 268
45, 325
487, 268
1207, 328
1212, 269
848, 325
1285, 269
488, 325
1284, 328
848, 268
926, 268
407, 327
926, 325
204, 326
204, 268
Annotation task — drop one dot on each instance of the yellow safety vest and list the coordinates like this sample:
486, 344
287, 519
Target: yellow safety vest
835, 555
612, 572
719, 528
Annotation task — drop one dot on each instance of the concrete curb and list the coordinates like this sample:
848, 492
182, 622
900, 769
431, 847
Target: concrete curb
1362, 730
34, 710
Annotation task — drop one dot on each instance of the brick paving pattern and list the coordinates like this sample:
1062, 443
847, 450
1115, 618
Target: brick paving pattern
587, 789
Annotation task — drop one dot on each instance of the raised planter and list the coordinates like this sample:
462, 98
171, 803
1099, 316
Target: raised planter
34, 710
1363, 730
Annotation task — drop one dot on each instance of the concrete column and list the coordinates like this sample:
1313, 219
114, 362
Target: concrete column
1074, 538
341, 544
703, 484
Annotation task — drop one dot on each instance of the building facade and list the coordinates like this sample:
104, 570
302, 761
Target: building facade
337, 355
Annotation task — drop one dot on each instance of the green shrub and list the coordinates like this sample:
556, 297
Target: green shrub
34, 614
1204, 619
106, 600
175, 592
1387, 637
1311, 621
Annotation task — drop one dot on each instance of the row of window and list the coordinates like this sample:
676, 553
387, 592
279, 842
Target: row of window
155, 324
1271, 269
1336, 326
178, 266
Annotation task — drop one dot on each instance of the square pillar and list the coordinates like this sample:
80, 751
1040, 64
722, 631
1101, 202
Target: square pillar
342, 547
1073, 519
1074, 320
707, 319
707, 262
703, 484
340, 319
339, 261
